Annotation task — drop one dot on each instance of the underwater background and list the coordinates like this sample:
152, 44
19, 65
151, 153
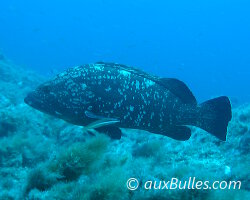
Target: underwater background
206, 44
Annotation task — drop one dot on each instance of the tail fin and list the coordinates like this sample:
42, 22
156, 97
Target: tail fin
214, 116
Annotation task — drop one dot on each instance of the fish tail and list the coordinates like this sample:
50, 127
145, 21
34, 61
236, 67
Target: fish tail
214, 116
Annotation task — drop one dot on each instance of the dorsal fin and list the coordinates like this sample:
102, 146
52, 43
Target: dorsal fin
179, 89
133, 70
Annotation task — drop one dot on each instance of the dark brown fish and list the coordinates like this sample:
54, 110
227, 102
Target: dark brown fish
108, 96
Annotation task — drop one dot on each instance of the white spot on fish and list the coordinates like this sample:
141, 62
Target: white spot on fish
120, 91
90, 108
152, 115
125, 73
108, 89
98, 67
137, 85
58, 113
149, 83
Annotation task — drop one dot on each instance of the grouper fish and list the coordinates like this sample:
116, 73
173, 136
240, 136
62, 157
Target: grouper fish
107, 96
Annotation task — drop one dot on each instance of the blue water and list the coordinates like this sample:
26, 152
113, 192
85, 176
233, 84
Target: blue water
204, 43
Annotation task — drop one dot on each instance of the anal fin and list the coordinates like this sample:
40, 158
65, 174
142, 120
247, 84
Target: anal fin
181, 133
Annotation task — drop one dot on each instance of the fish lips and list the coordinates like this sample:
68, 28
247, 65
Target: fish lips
35, 101
32, 100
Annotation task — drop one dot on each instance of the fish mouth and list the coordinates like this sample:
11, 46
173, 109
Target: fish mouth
34, 101
31, 100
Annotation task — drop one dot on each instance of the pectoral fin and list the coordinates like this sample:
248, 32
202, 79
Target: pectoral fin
101, 123
97, 117
181, 133
104, 126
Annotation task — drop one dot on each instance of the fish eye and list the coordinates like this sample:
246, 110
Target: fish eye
45, 88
